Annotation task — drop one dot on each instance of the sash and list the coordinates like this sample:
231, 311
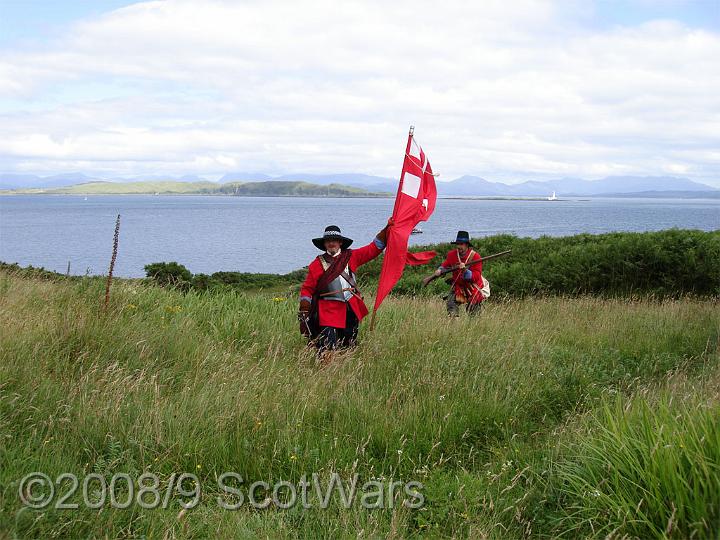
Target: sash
469, 291
336, 268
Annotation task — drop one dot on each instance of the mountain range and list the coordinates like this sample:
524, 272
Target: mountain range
476, 186
465, 186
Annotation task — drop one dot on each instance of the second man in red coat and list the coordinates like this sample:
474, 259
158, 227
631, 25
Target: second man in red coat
468, 285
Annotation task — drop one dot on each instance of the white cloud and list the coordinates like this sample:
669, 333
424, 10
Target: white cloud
496, 88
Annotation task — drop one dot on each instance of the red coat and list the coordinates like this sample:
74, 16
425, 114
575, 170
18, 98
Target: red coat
331, 312
470, 288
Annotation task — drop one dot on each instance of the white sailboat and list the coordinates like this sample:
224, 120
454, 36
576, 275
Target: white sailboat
552, 197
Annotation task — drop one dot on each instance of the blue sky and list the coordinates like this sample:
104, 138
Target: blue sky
36, 20
694, 13
507, 90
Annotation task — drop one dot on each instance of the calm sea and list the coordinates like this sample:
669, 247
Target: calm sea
253, 234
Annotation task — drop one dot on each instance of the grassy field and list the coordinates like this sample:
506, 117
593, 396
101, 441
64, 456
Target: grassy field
544, 417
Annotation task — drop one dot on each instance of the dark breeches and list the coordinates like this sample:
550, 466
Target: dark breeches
453, 308
339, 338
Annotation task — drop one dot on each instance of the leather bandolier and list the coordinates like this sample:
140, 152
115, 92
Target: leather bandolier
468, 291
337, 290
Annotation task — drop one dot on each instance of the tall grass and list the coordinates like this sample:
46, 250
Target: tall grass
473, 408
648, 467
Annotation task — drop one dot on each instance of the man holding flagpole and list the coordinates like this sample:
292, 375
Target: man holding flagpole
331, 306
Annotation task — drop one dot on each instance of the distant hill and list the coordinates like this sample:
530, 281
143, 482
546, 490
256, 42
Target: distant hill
467, 186
153, 178
245, 177
18, 181
205, 187
298, 189
341, 178
477, 186
667, 194
364, 181
123, 188
473, 186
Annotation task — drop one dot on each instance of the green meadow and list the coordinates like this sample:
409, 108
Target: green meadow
548, 416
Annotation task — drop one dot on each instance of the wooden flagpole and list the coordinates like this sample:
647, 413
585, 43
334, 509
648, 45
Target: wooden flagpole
397, 198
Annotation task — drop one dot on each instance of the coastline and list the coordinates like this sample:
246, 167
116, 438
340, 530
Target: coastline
363, 196
709, 196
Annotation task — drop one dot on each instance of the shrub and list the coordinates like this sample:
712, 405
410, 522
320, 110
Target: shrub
170, 273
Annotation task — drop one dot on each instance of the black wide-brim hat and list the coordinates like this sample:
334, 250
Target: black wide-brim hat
463, 237
332, 232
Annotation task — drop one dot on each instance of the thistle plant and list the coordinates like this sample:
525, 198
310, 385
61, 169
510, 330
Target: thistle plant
112, 261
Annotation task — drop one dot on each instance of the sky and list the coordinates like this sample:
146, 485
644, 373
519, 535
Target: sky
509, 90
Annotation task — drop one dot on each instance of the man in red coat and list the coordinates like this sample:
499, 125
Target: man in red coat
468, 286
331, 307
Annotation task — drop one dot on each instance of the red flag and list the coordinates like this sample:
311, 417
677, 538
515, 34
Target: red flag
414, 203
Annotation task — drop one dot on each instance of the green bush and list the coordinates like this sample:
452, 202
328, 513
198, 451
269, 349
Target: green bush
170, 273
35, 272
667, 263
201, 282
